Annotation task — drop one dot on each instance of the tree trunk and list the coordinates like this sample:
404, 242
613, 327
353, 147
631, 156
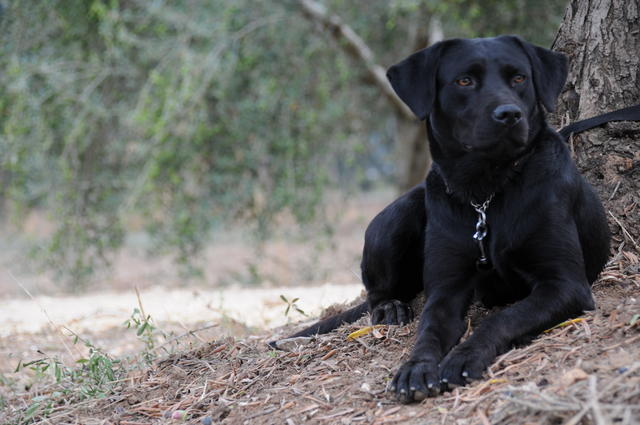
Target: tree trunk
412, 152
602, 40
411, 135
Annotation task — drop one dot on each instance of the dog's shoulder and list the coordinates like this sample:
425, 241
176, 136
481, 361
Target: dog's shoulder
551, 158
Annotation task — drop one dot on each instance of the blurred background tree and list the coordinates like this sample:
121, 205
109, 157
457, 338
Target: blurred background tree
186, 115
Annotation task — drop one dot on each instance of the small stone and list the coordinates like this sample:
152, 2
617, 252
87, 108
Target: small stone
206, 420
179, 414
292, 344
573, 376
294, 378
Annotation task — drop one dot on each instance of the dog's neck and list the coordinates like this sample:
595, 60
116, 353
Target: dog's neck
471, 177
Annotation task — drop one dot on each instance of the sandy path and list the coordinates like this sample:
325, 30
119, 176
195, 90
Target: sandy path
255, 307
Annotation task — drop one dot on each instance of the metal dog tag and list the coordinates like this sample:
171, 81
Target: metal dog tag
483, 262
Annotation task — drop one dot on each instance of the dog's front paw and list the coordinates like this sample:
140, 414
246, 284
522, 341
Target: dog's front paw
415, 381
392, 312
462, 365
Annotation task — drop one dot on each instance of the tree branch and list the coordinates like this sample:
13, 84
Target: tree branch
356, 48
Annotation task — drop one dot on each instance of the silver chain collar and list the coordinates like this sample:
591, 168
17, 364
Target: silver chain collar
481, 231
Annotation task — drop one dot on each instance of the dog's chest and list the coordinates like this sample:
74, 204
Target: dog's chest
467, 233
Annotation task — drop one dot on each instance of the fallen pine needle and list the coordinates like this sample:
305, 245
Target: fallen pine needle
220, 348
483, 417
363, 331
329, 354
565, 323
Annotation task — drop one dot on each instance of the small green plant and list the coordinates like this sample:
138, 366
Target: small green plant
145, 331
4, 381
291, 304
101, 370
3, 403
40, 405
92, 376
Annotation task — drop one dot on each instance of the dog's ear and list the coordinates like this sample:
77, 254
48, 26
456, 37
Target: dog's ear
414, 79
549, 72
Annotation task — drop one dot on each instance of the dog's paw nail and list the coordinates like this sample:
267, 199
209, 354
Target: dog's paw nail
412, 388
433, 389
465, 374
419, 396
403, 391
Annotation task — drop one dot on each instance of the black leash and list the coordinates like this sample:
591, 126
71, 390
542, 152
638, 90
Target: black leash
632, 113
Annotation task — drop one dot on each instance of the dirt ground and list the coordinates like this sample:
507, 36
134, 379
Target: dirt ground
239, 293
584, 372
221, 371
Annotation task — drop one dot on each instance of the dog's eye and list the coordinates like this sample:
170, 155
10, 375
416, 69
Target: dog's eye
519, 79
464, 81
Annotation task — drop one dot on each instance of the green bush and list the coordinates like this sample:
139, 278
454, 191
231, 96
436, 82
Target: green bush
189, 115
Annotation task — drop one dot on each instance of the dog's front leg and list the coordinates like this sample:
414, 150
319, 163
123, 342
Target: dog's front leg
441, 326
552, 300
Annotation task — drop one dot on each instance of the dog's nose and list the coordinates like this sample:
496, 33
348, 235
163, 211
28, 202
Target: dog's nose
507, 115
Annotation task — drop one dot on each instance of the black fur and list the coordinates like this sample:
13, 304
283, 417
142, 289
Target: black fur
547, 238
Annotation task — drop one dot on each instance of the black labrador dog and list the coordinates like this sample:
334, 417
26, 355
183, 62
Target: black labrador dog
503, 217
508, 218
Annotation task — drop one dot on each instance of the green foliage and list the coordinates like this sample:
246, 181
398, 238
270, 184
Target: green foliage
93, 376
537, 21
191, 115
292, 304
146, 333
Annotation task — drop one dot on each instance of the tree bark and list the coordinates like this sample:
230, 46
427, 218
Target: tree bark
602, 40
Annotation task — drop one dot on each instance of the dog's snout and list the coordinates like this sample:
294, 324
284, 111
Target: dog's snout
507, 115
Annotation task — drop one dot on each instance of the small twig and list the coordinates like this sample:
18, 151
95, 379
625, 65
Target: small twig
628, 341
595, 406
335, 415
263, 412
618, 255
578, 416
190, 332
53, 325
624, 230
483, 417
615, 190
144, 316
623, 376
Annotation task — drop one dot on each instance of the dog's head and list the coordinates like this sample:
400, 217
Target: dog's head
481, 95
